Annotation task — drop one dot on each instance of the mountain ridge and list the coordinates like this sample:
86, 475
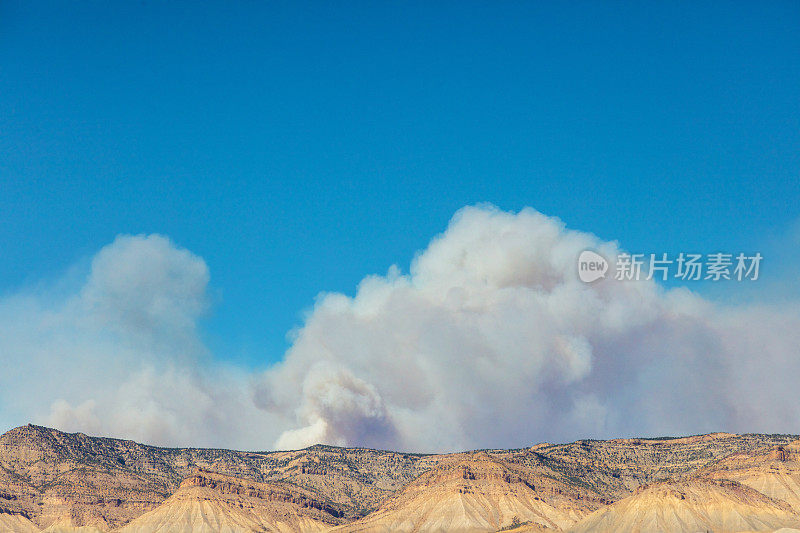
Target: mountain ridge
63, 481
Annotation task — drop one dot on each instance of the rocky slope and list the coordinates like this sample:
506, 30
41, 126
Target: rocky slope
15, 522
774, 472
56, 481
478, 492
60, 478
209, 502
696, 505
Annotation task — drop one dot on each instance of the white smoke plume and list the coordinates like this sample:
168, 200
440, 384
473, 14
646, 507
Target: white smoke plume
490, 340
120, 356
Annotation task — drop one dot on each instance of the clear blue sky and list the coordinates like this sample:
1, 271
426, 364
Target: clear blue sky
298, 146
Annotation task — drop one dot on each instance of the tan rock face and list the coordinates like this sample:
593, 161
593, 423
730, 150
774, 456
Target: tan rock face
774, 472
72, 483
696, 505
478, 492
14, 522
209, 502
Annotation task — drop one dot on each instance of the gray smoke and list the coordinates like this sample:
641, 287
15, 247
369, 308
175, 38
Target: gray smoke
490, 340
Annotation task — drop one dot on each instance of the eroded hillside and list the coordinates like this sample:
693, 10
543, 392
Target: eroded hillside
57, 481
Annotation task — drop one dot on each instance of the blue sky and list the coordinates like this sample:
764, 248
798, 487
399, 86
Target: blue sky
297, 147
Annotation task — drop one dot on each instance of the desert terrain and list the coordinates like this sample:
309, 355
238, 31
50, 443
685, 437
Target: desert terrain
59, 482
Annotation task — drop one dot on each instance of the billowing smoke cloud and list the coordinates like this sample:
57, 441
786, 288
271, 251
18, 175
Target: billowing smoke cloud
490, 340
146, 289
121, 355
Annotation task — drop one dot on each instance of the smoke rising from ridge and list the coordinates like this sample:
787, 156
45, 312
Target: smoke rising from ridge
121, 356
490, 340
